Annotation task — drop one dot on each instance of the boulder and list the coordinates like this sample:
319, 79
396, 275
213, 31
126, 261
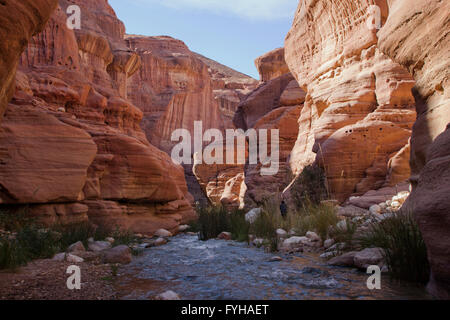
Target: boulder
73, 258
313, 236
345, 260
76, 247
282, 234
225, 236
119, 254
168, 296
162, 233
98, 246
369, 257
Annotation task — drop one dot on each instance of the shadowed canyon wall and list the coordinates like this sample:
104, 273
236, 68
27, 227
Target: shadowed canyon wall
71, 145
417, 35
359, 111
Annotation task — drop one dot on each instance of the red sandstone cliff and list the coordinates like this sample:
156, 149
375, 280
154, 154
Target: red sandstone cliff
71, 144
359, 110
275, 104
19, 21
416, 35
358, 113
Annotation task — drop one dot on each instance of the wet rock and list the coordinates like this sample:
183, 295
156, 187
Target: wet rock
168, 296
76, 247
98, 246
369, 257
225, 236
162, 233
183, 228
345, 260
119, 254
160, 242
276, 259
253, 215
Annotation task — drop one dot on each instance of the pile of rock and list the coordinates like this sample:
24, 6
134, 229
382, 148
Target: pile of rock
97, 251
309, 243
361, 260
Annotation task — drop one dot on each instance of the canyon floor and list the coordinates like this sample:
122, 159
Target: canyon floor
197, 270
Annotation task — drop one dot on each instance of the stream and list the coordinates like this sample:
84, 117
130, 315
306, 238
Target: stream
221, 270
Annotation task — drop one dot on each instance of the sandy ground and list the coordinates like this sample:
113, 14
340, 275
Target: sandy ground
47, 280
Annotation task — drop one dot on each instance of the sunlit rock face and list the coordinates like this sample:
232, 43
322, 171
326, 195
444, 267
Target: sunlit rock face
173, 89
359, 111
19, 21
416, 35
71, 143
230, 88
272, 65
274, 105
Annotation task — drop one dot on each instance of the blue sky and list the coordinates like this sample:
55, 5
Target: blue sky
232, 32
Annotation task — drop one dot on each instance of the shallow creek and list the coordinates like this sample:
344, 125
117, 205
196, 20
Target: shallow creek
220, 270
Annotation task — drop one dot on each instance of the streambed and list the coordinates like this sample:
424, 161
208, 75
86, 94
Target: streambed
221, 270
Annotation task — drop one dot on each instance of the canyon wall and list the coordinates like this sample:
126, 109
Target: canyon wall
176, 87
359, 111
19, 21
417, 35
275, 104
71, 145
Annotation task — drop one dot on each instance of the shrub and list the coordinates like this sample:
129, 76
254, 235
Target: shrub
319, 218
12, 254
212, 221
310, 186
32, 241
404, 248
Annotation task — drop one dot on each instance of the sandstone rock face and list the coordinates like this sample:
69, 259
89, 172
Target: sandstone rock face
19, 21
359, 110
274, 104
71, 142
272, 65
416, 36
173, 89
230, 88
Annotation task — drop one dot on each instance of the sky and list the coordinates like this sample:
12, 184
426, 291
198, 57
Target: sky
232, 32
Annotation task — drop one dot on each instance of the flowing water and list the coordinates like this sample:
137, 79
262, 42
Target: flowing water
220, 270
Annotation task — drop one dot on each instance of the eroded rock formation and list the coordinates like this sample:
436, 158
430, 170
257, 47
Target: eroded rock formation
359, 110
19, 21
275, 104
71, 143
417, 35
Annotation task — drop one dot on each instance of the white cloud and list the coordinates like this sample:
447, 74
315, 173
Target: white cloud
248, 9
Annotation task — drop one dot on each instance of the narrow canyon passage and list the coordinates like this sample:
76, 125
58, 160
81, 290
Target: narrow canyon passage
220, 270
